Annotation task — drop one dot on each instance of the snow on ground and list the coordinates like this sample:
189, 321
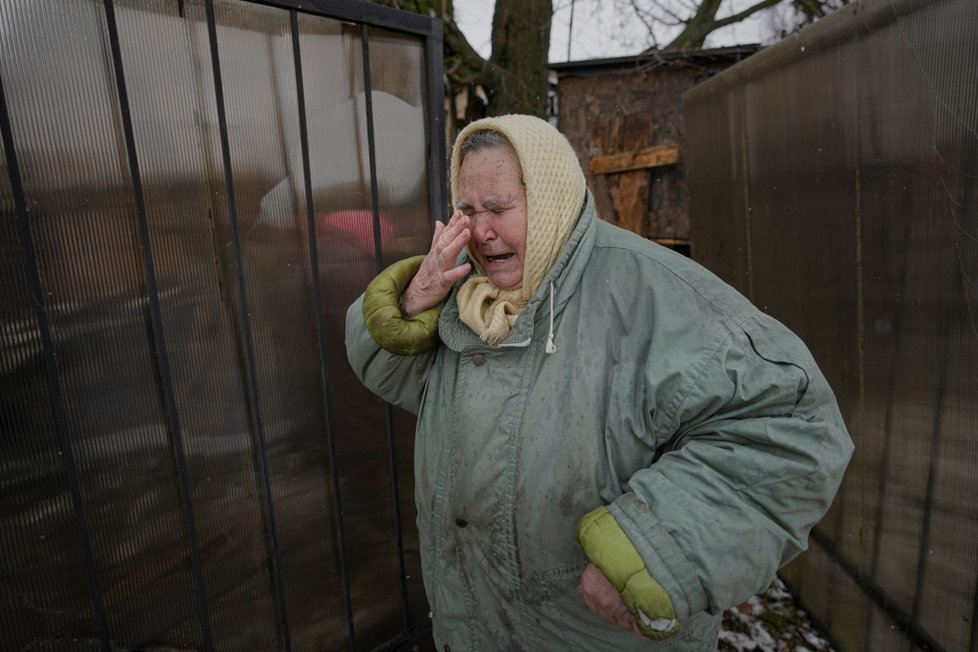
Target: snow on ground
771, 622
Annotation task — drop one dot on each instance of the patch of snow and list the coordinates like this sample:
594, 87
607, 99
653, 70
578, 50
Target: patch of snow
771, 622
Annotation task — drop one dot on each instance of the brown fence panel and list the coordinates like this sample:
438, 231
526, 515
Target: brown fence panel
834, 180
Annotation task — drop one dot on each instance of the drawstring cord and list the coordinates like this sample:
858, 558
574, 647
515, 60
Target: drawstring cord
551, 347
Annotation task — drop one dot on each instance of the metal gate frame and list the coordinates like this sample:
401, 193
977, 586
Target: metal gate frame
368, 16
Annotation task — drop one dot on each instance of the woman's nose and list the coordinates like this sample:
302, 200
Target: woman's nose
481, 229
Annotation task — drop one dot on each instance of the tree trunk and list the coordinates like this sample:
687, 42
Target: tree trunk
518, 79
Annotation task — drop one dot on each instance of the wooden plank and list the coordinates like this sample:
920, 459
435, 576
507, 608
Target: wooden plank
671, 242
631, 198
647, 157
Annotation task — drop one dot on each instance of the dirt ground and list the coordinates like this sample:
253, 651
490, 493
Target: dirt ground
771, 622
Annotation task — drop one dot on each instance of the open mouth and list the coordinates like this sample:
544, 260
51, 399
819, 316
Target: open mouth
501, 258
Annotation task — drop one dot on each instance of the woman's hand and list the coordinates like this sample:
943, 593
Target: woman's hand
603, 598
438, 272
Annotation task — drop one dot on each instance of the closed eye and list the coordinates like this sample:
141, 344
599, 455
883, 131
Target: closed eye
497, 207
495, 210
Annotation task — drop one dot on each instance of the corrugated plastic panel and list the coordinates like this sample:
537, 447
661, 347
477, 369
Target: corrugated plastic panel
83, 226
847, 209
346, 235
398, 80
187, 211
171, 95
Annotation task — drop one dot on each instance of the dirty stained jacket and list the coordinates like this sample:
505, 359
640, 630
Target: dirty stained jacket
703, 425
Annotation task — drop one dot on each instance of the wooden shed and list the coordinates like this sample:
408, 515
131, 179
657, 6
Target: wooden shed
624, 118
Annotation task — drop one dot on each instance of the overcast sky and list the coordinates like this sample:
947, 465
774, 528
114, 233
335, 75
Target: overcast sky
600, 33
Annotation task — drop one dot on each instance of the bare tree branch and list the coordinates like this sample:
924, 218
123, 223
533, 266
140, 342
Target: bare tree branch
704, 22
676, 18
689, 5
514, 78
746, 13
641, 17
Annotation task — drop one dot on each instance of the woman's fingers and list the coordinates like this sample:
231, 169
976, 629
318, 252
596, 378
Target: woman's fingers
439, 229
448, 242
456, 273
438, 272
453, 248
457, 223
603, 599
456, 233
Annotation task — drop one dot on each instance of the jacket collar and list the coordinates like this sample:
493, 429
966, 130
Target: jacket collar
565, 274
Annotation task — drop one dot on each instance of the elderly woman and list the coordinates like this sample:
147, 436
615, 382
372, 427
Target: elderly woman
613, 446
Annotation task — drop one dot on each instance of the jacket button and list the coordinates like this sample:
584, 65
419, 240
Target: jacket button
478, 359
461, 522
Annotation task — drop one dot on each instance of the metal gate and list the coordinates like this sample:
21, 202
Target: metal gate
834, 180
193, 192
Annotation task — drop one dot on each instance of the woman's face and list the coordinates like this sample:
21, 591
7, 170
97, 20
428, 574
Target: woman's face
492, 194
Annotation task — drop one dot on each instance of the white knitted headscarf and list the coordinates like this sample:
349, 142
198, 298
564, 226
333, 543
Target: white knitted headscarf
555, 189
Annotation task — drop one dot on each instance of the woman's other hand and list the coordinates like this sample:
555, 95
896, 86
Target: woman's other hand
438, 272
603, 598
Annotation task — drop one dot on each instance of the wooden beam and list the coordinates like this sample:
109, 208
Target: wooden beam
648, 157
671, 242
630, 194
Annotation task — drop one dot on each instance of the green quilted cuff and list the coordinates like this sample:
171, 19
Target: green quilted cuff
608, 548
383, 318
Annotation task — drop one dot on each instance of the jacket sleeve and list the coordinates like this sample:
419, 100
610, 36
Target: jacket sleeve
756, 451
398, 379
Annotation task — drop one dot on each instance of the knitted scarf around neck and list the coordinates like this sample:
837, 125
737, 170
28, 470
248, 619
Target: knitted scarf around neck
555, 189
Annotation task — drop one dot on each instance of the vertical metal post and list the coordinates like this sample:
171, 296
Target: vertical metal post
159, 337
973, 637
745, 175
248, 341
934, 460
22, 216
434, 87
378, 259
371, 146
320, 329
942, 356
889, 419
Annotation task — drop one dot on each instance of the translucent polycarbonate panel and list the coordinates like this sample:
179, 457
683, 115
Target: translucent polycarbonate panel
725, 246
398, 83
58, 77
847, 209
857, 622
39, 533
258, 69
345, 239
403, 426
168, 481
172, 101
397, 77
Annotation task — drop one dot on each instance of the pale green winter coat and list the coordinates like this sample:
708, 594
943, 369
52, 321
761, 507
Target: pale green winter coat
703, 424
